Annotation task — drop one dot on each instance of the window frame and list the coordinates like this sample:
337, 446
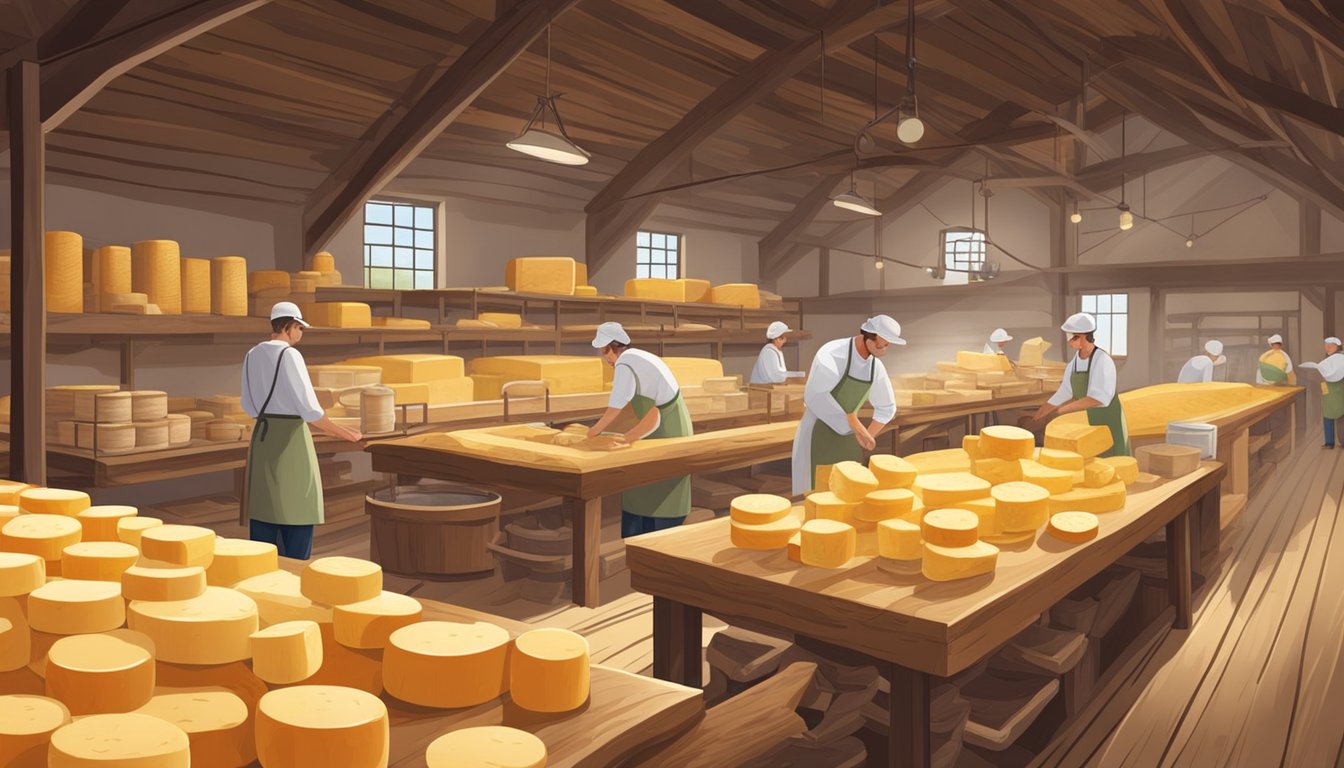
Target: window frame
646, 263
950, 256
421, 278
1106, 319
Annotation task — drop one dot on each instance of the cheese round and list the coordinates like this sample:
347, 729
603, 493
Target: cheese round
997, 470
1020, 507
899, 540
1052, 480
1095, 500
179, 544
497, 746
238, 559
1008, 539
986, 510
1055, 458
759, 508
26, 725
39, 534
828, 543
1098, 474
218, 725
1083, 439
1003, 441
8, 512
53, 501
127, 740
851, 481
130, 529
75, 607
10, 490
288, 652
97, 560
278, 599
341, 580
886, 504
952, 563
772, 535
321, 726
99, 523
1126, 468
948, 488
369, 623
950, 527
101, 674
1073, 527
825, 505
892, 471
16, 641
214, 628
21, 573
549, 670
141, 582
421, 656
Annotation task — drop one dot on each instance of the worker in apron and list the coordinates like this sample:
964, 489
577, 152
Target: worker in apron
1199, 369
770, 367
1275, 367
1090, 383
997, 340
1332, 387
282, 496
643, 382
845, 374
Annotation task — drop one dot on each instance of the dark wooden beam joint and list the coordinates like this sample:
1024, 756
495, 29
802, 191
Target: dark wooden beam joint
27, 289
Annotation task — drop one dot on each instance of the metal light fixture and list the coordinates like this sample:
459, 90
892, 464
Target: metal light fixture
853, 201
553, 146
1190, 241
1126, 217
909, 129
1077, 216
878, 263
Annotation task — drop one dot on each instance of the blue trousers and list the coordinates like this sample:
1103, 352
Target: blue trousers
1329, 431
294, 541
634, 525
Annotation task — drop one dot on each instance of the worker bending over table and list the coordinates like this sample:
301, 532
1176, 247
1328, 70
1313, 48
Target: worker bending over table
1090, 383
770, 367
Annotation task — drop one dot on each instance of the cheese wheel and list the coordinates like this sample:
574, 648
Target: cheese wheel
369, 623
549, 670
228, 286
1009, 539
238, 559
828, 543
899, 540
794, 550
53, 501
324, 262
1095, 500
266, 279
1073, 527
421, 656
126, 740
885, 504
163, 585
950, 527
99, 523
1052, 480
1083, 439
211, 629
997, 471
946, 489
1126, 468
497, 746
10, 490
971, 445
1002, 441
986, 510
322, 726
278, 598
97, 560
341, 580
21, 573
1098, 474
851, 481
156, 270
26, 725
1058, 459
1020, 507
218, 724
823, 477
16, 641
130, 529
111, 274
196, 286
759, 508
952, 563
772, 535
101, 674
892, 471
8, 512
71, 607
825, 505
179, 544
64, 272
288, 652
37, 657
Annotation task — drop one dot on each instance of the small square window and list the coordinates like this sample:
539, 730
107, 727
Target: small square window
399, 246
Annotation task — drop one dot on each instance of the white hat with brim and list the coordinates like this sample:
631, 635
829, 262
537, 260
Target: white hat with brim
885, 327
288, 309
776, 330
1334, 340
1081, 322
1214, 347
999, 336
1276, 339
609, 332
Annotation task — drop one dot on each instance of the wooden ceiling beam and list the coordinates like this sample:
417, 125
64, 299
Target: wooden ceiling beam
769, 247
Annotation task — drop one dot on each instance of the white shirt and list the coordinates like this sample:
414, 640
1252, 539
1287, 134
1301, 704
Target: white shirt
1101, 382
294, 394
994, 349
1331, 368
828, 368
1197, 369
643, 373
1287, 370
770, 367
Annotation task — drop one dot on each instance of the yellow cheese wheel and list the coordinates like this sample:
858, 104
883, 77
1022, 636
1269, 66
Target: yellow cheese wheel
899, 540
952, 563
7, 512
1020, 507
1002, 441
16, 641
97, 560
986, 510
794, 551
26, 725
322, 726
341, 580
101, 674
828, 543
497, 746
548, 670
125, 740
826, 505
21, 573
99, 523
70, 607
946, 489
1052, 480
1009, 539
759, 508
885, 505
1083, 439
892, 471
772, 535
1095, 500
238, 559
323, 261
278, 598
971, 445
997, 471
1058, 459
162, 585
64, 273
421, 656
129, 529
196, 286
218, 724
228, 286
156, 271
1126, 468
53, 501
369, 623
211, 629
851, 481
823, 478
288, 652
950, 527
1073, 527
111, 274
1098, 474
10, 490
179, 544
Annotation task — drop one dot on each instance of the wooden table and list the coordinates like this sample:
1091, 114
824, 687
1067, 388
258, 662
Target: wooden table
911, 628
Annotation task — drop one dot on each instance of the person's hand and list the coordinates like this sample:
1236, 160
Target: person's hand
351, 435
1041, 413
593, 431
629, 438
865, 440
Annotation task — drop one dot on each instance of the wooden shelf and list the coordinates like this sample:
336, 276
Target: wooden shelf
1258, 442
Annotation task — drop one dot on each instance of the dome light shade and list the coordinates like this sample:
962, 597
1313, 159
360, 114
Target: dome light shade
549, 146
910, 130
1076, 217
853, 201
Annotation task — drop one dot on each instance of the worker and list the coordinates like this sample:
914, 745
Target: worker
770, 367
845, 374
1199, 369
282, 500
1275, 365
643, 382
1090, 383
1332, 387
997, 341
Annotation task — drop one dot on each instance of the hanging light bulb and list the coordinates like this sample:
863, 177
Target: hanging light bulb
878, 264
553, 146
910, 129
1076, 217
853, 201
1126, 218
1190, 241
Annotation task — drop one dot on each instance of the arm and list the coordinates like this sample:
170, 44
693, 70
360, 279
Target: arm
1062, 395
645, 426
335, 430
622, 392
1100, 387
245, 391
772, 365
883, 400
297, 375
817, 395
608, 416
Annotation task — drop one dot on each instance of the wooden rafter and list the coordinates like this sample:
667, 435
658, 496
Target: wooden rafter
803, 213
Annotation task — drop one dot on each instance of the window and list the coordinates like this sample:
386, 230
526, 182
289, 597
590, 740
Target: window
963, 249
657, 254
1112, 313
399, 245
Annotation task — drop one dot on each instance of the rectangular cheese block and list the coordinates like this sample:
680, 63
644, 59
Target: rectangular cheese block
1165, 460
655, 288
338, 314
721, 385
1033, 352
413, 369
694, 290
580, 275
486, 386
401, 322
983, 361
585, 290
1081, 438
542, 274
693, 371
450, 391
409, 394
1095, 500
564, 374
736, 295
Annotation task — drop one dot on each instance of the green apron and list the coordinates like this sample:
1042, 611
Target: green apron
1269, 371
1332, 399
282, 483
671, 497
1111, 416
829, 446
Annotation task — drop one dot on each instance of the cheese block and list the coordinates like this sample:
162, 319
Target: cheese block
986, 510
1073, 527
412, 368
179, 544
156, 270
130, 529
585, 290
1020, 507
97, 560
238, 559
42, 535
129, 740
218, 725
341, 580
722, 385
70, 607
1163, 460
213, 628
267, 279
997, 471
1095, 500
885, 504
654, 288
1006, 442
1126, 468
952, 563
497, 746
288, 652
501, 319
1057, 459
746, 295
419, 657
140, 582
692, 371
21, 573
99, 674
279, 598
338, 314
826, 505
10, 490
892, 471
950, 527
828, 543
408, 323
1052, 480
759, 508
940, 462
1033, 352
26, 725
563, 374
1083, 439
322, 726
852, 481
99, 523
542, 274
369, 623
823, 478
53, 501
771, 535
549, 670
983, 361
1098, 474
795, 549
946, 489
63, 254
16, 640
899, 540
971, 445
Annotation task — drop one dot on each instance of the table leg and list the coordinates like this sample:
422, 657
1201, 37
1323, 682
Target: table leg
676, 642
586, 519
1210, 524
1178, 568
909, 743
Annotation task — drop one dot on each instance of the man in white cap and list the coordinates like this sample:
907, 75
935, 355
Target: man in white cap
643, 382
770, 367
283, 491
1199, 369
1275, 365
845, 374
997, 340
1090, 384
1332, 387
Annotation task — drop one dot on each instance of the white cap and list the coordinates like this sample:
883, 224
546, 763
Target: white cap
609, 332
885, 327
1276, 339
1214, 347
776, 330
1334, 340
288, 309
1080, 323
999, 336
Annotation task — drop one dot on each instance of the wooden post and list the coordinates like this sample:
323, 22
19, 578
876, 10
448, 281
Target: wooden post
823, 272
1309, 228
1157, 333
676, 642
28, 302
1179, 568
586, 520
128, 365
909, 741
1329, 313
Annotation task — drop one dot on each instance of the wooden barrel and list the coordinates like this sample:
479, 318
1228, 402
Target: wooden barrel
377, 412
433, 530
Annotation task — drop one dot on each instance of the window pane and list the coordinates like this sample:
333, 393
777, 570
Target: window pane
404, 237
659, 241
1104, 336
1120, 337
1104, 304
424, 281
375, 213
1089, 303
378, 235
380, 278
672, 241
641, 270
405, 216
424, 260
405, 280
642, 239
642, 255
424, 218
405, 258
1120, 302
424, 239
381, 256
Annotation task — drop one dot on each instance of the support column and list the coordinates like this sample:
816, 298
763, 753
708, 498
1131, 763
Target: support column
1157, 332
28, 334
823, 272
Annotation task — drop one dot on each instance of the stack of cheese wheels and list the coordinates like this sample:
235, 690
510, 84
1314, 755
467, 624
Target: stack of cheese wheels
762, 521
889, 503
149, 405
827, 543
951, 545
217, 722
322, 726
419, 657
228, 286
101, 673
99, 523
156, 271
26, 725
826, 505
111, 274
324, 262
64, 272
104, 407
196, 286
549, 671
234, 560
288, 652
494, 745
